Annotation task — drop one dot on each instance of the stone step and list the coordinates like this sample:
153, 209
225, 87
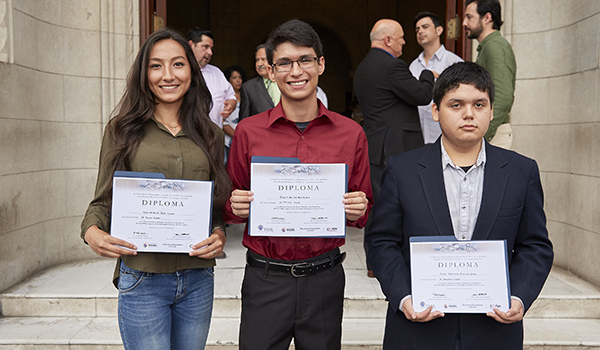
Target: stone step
83, 289
102, 333
73, 306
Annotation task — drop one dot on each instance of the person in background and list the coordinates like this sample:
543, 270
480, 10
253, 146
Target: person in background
483, 19
223, 97
236, 76
388, 96
435, 58
165, 299
261, 93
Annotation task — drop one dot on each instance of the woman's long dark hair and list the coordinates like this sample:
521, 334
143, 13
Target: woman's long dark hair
137, 106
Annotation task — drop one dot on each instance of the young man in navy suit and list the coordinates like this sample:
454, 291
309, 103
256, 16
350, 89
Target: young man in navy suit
460, 186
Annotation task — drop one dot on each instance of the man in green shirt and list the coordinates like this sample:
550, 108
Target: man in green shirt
482, 22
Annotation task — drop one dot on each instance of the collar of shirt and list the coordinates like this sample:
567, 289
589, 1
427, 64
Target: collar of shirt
487, 39
376, 48
267, 82
464, 191
438, 56
447, 161
162, 127
277, 114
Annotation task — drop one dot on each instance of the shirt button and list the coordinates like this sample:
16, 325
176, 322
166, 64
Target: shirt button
465, 179
302, 247
174, 138
463, 237
463, 208
179, 159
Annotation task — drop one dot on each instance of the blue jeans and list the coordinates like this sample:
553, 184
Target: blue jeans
165, 311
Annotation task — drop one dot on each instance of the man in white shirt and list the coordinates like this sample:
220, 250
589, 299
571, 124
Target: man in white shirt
223, 95
435, 58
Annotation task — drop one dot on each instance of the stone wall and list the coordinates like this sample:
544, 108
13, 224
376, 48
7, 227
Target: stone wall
62, 70
556, 118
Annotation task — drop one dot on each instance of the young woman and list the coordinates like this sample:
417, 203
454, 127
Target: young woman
161, 125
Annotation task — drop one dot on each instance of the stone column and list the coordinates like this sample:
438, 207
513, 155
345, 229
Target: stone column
62, 70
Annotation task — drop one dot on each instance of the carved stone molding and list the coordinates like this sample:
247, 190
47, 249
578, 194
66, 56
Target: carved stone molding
6, 30
119, 45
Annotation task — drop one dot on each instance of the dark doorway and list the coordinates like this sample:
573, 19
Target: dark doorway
343, 25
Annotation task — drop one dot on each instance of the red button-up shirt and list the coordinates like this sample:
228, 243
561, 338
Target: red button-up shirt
329, 138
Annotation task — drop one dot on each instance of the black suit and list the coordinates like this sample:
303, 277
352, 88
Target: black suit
388, 95
413, 202
255, 98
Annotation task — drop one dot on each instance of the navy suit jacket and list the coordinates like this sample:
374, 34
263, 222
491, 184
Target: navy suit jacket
255, 98
413, 203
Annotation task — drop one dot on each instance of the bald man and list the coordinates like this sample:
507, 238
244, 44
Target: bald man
388, 95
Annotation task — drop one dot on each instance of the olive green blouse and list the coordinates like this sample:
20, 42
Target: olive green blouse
177, 157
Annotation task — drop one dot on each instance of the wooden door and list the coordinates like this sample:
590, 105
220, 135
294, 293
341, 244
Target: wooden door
153, 17
456, 40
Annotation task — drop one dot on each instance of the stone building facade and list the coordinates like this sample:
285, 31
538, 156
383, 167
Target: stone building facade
63, 64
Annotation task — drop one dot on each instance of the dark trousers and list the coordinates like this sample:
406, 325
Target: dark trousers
277, 307
376, 174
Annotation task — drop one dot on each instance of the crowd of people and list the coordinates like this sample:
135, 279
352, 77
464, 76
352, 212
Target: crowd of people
424, 162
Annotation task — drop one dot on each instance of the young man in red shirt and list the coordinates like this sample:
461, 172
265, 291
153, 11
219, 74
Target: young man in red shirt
276, 304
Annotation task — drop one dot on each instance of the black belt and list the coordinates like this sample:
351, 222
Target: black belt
300, 269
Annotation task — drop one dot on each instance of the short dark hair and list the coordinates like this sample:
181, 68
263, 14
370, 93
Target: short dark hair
468, 73
296, 32
195, 34
229, 71
437, 22
491, 6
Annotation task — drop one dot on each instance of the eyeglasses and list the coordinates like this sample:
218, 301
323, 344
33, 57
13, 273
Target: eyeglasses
286, 66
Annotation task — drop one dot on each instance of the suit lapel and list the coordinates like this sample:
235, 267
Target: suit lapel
264, 92
495, 180
432, 180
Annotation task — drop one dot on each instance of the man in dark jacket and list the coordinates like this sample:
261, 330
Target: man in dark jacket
259, 94
462, 188
388, 95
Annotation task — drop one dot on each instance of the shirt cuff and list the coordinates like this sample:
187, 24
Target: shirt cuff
402, 302
512, 297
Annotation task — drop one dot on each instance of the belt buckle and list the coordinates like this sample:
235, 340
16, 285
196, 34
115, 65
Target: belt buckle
301, 265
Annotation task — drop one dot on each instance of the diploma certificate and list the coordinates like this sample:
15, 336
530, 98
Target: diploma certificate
459, 276
160, 215
297, 200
